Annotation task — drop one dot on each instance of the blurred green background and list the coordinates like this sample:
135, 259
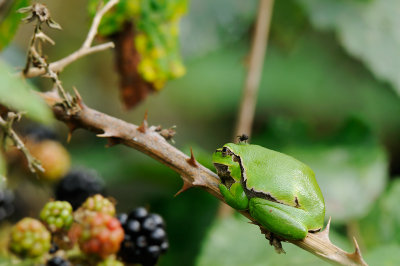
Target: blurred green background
329, 96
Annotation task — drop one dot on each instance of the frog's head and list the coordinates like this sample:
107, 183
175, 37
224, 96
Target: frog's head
227, 165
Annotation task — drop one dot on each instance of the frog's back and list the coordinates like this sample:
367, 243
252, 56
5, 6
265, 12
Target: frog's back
278, 175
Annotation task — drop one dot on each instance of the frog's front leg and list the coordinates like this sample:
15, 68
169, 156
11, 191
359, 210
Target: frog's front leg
235, 196
284, 220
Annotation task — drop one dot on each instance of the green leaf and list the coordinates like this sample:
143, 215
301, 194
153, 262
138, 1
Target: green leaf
10, 20
17, 94
368, 30
233, 241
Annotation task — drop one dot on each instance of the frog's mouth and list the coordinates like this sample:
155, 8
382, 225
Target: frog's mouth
225, 175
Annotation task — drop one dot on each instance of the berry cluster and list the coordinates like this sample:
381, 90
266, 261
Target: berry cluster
98, 203
77, 186
97, 234
57, 215
29, 238
137, 237
145, 237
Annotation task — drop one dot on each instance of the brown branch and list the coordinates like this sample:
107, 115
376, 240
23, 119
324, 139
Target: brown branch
149, 141
256, 61
59, 65
85, 49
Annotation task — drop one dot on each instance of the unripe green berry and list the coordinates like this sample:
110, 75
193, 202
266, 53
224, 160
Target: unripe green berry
57, 215
29, 238
98, 203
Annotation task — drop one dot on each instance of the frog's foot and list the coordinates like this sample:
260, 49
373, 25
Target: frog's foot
235, 196
283, 220
273, 239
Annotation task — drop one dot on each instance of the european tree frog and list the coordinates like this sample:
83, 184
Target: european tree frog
280, 192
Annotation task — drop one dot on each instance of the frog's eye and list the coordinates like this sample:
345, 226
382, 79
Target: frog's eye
224, 150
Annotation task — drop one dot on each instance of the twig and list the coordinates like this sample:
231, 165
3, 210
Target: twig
149, 141
259, 44
96, 22
33, 164
52, 75
249, 94
84, 50
59, 65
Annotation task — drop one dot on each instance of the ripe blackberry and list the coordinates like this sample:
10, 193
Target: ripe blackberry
29, 238
6, 203
57, 215
145, 237
98, 203
78, 185
57, 261
97, 234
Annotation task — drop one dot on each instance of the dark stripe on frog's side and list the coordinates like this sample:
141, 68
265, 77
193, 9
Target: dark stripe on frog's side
224, 174
252, 193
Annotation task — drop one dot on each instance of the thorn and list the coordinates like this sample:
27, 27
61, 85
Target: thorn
328, 226
143, 127
78, 97
356, 255
192, 161
357, 251
69, 136
104, 135
71, 129
186, 185
325, 233
45, 38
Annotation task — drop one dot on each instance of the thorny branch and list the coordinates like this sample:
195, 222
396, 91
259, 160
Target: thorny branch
6, 126
149, 141
84, 50
36, 65
39, 13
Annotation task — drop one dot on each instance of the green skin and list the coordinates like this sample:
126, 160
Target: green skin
280, 192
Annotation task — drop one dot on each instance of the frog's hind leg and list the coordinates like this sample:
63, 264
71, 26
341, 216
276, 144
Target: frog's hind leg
283, 220
235, 196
